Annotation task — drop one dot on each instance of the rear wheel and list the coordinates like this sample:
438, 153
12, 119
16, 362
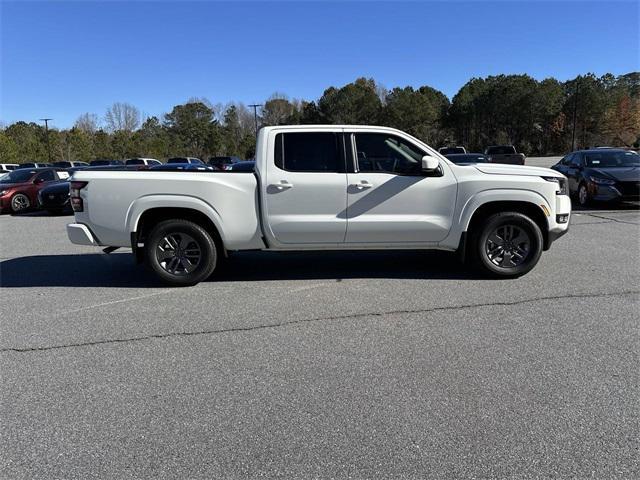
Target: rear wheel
181, 253
507, 245
20, 203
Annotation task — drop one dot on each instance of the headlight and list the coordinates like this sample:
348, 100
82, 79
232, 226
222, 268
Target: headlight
562, 184
3, 192
602, 181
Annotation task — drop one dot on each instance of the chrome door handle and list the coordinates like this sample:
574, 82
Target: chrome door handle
362, 185
283, 185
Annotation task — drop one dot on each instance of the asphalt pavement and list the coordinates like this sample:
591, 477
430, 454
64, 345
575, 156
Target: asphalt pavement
309, 365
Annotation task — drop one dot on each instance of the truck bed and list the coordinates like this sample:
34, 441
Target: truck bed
114, 201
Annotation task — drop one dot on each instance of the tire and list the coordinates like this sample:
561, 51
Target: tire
181, 253
507, 245
20, 203
584, 200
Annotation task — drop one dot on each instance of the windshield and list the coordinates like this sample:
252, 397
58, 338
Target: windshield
135, 161
610, 159
18, 176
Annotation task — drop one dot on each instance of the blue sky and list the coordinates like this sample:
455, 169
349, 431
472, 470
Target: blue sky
60, 59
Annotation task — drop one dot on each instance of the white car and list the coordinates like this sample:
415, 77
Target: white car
142, 161
324, 188
8, 166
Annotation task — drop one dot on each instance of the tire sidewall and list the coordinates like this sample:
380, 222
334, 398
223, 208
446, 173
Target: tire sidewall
19, 194
207, 246
521, 221
587, 200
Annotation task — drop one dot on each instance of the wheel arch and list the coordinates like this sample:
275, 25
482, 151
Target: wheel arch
530, 209
152, 216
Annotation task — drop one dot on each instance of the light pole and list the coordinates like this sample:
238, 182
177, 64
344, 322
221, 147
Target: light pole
575, 114
255, 115
46, 129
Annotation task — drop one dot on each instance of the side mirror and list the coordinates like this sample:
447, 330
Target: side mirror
38, 181
430, 163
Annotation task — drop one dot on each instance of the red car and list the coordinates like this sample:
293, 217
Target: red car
19, 188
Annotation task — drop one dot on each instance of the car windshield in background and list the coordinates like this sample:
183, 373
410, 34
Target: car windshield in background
619, 158
501, 150
468, 158
18, 176
135, 161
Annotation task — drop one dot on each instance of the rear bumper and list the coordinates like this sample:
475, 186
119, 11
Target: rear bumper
81, 235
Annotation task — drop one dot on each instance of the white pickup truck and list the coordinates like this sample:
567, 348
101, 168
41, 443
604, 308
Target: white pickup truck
331, 187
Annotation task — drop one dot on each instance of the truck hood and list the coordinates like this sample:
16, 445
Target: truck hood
505, 169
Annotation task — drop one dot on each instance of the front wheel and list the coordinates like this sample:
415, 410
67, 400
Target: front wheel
583, 195
20, 203
507, 245
181, 253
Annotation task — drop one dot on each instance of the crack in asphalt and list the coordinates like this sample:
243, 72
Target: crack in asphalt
617, 220
315, 319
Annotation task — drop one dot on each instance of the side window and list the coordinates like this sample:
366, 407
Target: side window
576, 160
379, 152
47, 176
308, 152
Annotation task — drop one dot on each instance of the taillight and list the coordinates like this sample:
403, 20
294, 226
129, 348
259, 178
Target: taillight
74, 195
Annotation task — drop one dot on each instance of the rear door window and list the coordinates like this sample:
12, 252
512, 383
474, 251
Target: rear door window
308, 152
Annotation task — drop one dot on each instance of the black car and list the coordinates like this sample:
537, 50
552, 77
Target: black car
245, 166
191, 167
468, 158
193, 160
55, 198
70, 164
602, 175
221, 162
104, 163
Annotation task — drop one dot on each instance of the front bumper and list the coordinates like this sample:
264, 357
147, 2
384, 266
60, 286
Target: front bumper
614, 193
557, 229
81, 235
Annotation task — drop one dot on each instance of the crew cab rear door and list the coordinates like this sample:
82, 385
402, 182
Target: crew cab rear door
305, 189
390, 200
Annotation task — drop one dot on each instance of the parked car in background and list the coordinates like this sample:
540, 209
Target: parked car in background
451, 150
8, 166
245, 166
193, 167
602, 175
311, 193
504, 154
70, 164
33, 165
19, 188
221, 162
185, 160
468, 158
104, 163
142, 161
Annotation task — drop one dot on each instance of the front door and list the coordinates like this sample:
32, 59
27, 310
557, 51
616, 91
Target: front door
390, 199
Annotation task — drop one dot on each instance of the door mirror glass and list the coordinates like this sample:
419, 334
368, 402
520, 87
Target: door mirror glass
429, 163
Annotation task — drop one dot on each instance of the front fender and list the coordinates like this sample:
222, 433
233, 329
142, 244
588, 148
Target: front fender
498, 195
468, 208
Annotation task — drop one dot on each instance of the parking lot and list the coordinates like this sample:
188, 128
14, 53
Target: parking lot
350, 365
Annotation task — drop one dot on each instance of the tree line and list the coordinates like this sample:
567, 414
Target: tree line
538, 117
